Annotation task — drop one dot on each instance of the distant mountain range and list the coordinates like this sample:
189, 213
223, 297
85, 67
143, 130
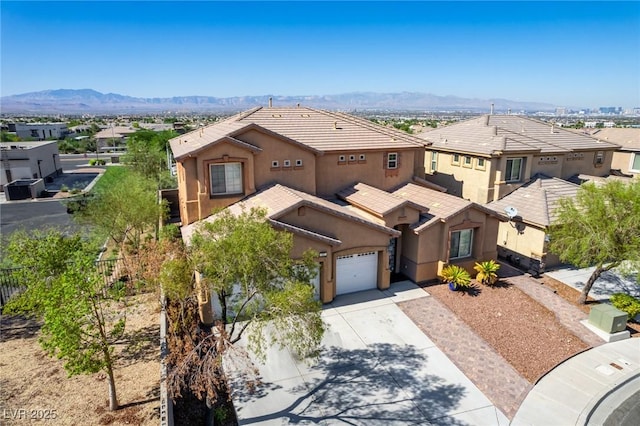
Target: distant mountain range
88, 101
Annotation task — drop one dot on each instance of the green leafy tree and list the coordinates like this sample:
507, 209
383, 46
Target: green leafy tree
600, 227
8, 137
263, 294
147, 154
124, 209
82, 318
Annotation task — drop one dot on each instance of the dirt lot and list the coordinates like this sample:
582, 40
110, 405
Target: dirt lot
33, 384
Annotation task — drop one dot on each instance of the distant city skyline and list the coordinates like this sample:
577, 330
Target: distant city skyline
571, 54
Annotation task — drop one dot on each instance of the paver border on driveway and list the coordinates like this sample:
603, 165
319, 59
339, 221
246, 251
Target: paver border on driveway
376, 367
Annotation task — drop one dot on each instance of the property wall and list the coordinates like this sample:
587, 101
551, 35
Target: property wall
333, 175
472, 182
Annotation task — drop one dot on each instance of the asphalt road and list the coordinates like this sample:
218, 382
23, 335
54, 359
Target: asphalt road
43, 213
35, 215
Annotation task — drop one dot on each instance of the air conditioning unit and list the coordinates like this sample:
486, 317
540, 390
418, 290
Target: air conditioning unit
607, 318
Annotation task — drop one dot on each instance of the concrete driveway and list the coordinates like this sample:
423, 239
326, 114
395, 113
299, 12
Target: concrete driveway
376, 367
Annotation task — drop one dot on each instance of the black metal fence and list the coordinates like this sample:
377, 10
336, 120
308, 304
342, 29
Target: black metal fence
10, 282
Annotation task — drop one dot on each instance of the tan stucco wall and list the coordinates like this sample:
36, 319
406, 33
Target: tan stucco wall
525, 240
583, 163
195, 199
472, 183
403, 215
622, 161
333, 175
355, 238
425, 254
301, 178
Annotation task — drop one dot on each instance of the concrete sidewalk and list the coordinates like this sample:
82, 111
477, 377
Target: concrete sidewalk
600, 386
608, 283
376, 367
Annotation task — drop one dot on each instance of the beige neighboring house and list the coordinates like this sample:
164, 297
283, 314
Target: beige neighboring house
485, 158
523, 240
112, 136
626, 160
350, 189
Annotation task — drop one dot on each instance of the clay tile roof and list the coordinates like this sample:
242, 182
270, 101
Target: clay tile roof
372, 199
497, 134
278, 199
196, 140
317, 129
537, 200
628, 137
439, 205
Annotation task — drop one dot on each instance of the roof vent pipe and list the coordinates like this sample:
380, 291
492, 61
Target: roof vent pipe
491, 108
335, 124
509, 111
552, 126
298, 104
270, 102
495, 130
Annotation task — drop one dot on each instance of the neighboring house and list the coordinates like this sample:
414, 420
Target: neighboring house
41, 131
523, 240
28, 160
112, 136
486, 158
627, 159
348, 188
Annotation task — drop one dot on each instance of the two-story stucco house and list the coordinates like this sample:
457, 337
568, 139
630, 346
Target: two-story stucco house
348, 188
485, 158
524, 239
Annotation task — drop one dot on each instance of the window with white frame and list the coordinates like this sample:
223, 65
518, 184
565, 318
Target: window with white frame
514, 169
467, 161
635, 162
392, 160
226, 178
455, 159
461, 243
480, 163
434, 161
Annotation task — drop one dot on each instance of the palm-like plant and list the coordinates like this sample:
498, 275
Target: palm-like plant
455, 275
487, 272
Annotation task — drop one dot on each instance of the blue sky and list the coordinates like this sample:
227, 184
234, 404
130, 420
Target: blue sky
566, 53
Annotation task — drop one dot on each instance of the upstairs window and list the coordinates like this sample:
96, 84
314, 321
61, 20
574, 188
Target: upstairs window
514, 169
635, 163
598, 160
392, 160
455, 159
467, 161
434, 161
226, 178
480, 163
461, 243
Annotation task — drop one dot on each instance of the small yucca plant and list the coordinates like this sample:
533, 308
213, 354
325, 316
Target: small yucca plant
487, 272
456, 275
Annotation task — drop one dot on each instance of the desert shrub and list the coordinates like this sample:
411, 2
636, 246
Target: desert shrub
456, 275
626, 303
487, 272
64, 188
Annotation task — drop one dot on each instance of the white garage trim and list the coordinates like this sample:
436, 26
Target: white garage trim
356, 272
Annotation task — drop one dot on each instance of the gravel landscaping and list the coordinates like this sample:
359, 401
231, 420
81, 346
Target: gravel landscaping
521, 330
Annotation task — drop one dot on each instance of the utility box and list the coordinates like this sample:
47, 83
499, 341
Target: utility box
607, 318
